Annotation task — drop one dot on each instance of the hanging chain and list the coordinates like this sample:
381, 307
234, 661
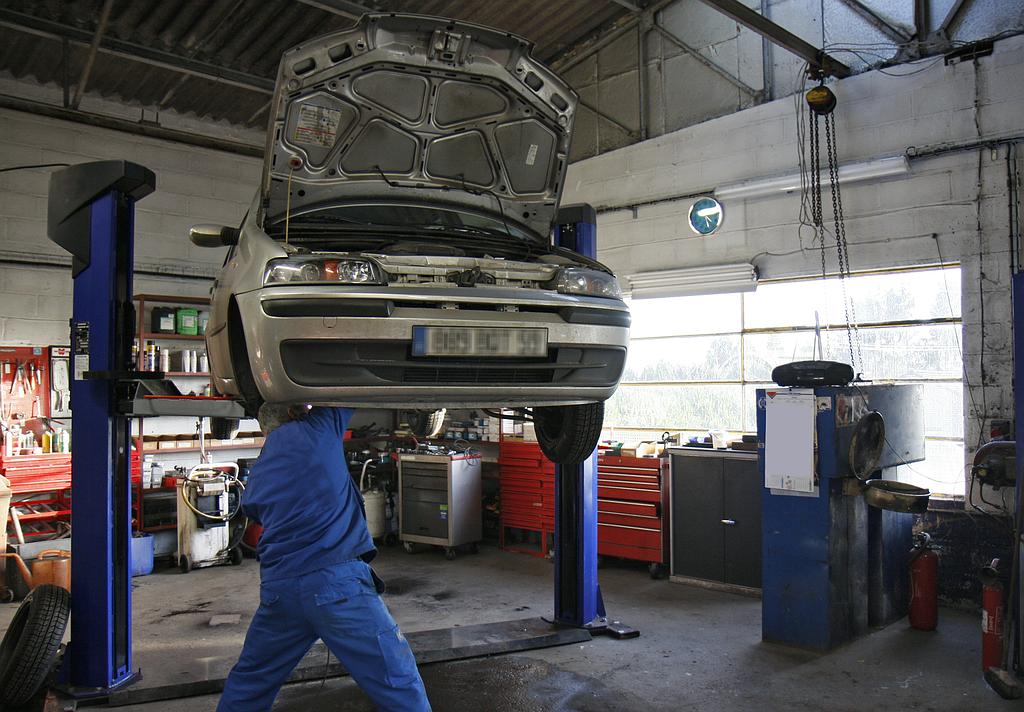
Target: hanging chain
842, 247
816, 210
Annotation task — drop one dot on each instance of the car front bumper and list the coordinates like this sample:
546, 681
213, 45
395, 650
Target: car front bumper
319, 344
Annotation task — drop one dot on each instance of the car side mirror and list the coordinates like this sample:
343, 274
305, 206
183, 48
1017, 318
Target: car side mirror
207, 235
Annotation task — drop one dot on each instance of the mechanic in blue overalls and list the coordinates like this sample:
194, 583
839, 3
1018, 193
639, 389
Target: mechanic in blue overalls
315, 582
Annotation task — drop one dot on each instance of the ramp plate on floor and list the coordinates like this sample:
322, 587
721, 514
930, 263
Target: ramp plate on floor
430, 646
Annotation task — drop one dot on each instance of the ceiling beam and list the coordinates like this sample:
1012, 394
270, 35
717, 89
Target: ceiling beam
897, 34
632, 133
631, 6
583, 50
952, 15
135, 52
726, 75
83, 79
779, 35
345, 8
114, 123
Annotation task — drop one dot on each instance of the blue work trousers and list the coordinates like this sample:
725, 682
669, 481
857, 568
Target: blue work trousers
340, 606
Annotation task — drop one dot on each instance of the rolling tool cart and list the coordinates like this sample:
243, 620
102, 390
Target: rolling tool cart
208, 500
439, 500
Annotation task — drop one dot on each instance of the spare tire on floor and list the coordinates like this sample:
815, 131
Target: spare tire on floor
31, 643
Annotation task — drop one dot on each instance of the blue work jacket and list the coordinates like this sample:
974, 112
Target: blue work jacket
301, 492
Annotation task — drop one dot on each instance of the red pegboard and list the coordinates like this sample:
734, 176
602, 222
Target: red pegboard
26, 395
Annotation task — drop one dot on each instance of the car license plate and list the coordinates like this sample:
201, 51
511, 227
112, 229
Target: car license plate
478, 341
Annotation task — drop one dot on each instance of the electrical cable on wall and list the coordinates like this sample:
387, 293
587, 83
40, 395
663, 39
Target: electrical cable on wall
36, 165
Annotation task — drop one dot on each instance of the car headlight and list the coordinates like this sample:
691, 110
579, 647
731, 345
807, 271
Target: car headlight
344, 270
580, 280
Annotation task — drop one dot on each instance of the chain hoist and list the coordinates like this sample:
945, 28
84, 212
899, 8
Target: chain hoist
822, 102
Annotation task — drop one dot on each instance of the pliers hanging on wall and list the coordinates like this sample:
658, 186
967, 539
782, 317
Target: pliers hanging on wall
19, 380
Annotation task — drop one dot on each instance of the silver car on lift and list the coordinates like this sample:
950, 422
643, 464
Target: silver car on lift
399, 252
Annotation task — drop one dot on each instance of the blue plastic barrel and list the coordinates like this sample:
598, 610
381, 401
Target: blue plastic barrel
142, 555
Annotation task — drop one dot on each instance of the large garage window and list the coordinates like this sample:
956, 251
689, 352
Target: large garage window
695, 362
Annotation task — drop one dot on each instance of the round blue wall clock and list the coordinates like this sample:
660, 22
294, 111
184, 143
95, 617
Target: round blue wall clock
705, 216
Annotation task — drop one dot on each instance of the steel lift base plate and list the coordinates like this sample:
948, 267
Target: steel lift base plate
163, 680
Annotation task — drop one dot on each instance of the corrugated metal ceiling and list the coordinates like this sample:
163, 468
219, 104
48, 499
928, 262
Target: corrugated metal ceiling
230, 48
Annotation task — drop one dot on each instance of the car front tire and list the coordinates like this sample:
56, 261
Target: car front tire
568, 434
249, 394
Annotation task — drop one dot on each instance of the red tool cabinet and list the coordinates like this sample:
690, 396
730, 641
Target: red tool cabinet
632, 510
527, 498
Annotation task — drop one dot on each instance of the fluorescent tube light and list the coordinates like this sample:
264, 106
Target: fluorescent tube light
687, 281
849, 173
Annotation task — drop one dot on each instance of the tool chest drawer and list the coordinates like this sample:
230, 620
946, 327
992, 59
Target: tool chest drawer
629, 520
425, 518
640, 509
414, 494
625, 492
637, 537
422, 482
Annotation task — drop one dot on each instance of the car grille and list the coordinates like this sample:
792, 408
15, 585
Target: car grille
443, 280
316, 362
475, 376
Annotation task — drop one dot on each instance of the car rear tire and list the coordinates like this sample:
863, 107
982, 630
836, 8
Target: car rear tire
568, 434
223, 428
426, 423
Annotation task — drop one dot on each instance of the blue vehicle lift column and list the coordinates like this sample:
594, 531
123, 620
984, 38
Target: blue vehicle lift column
578, 601
91, 215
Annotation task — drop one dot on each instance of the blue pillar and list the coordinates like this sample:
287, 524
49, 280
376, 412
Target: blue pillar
91, 214
577, 594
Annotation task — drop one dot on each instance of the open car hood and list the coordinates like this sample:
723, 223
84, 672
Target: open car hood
408, 107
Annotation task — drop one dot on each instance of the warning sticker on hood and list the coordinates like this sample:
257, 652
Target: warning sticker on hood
317, 125
531, 155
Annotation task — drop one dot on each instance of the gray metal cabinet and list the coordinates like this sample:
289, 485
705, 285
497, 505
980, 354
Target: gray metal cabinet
716, 516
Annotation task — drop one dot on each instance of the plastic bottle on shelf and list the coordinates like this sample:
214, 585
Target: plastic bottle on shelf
47, 442
204, 363
12, 439
165, 360
66, 441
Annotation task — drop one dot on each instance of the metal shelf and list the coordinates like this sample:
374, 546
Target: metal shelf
150, 451
170, 299
149, 336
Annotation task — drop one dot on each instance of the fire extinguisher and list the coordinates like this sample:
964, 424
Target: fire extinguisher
992, 615
924, 584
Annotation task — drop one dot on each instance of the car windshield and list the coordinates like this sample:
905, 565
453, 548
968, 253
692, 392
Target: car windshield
411, 217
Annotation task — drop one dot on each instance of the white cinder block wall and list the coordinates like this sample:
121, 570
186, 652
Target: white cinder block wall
899, 222
193, 185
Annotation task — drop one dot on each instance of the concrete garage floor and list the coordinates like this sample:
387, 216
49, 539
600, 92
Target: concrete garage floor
698, 649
